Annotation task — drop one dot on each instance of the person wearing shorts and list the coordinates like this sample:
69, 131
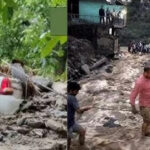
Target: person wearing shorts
72, 107
142, 89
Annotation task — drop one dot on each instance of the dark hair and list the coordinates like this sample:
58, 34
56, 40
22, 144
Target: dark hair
147, 67
73, 86
17, 61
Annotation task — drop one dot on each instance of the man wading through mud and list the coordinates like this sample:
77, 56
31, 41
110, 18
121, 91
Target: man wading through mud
142, 88
73, 106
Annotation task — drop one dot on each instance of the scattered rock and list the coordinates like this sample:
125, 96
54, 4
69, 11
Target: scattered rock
42, 83
56, 126
85, 69
21, 121
1, 137
111, 123
38, 133
35, 123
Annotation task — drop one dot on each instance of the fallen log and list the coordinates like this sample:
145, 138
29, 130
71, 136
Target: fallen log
99, 63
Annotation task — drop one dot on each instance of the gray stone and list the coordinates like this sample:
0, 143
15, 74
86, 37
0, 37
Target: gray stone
1, 137
35, 123
56, 126
38, 133
85, 68
21, 121
42, 83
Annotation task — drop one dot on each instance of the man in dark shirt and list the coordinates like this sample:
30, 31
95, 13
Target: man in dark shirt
102, 15
73, 106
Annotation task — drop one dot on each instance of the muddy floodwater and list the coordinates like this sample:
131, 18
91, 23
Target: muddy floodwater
110, 125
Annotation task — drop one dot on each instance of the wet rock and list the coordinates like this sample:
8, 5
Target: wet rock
42, 83
99, 63
132, 117
56, 126
21, 121
60, 87
85, 69
38, 133
33, 123
23, 130
12, 134
1, 137
60, 103
109, 69
26, 105
111, 123
57, 113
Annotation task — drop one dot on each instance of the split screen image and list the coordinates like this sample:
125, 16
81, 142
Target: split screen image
74, 75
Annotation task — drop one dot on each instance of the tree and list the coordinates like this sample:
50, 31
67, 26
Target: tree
25, 34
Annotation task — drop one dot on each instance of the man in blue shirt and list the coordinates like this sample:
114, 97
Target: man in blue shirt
72, 107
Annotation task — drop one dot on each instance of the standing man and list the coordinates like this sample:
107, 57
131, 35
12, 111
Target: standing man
73, 106
102, 15
142, 89
108, 16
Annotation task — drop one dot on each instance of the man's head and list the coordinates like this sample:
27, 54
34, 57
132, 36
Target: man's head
73, 88
14, 61
147, 70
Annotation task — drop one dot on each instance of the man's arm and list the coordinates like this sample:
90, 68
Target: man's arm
133, 96
83, 109
78, 109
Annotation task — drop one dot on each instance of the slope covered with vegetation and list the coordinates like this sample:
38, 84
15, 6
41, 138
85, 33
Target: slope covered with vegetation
25, 34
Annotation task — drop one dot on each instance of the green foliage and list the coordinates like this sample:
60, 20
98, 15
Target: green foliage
25, 35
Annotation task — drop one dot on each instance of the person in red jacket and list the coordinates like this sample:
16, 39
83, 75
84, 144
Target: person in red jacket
5, 87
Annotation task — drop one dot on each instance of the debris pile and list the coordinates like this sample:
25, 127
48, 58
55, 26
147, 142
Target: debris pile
39, 122
82, 58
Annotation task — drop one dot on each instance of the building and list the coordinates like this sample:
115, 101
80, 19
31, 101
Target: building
84, 22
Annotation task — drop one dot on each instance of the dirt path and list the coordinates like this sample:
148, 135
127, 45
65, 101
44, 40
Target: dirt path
111, 125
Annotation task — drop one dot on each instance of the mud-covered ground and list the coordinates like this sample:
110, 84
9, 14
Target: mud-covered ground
110, 125
41, 125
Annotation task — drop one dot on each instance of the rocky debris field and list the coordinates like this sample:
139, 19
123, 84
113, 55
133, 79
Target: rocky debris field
84, 59
81, 58
110, 125
40, 123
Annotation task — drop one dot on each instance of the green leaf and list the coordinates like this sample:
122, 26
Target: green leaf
5, 14
60, 53
49, 47
1, 5
63, 39
10, 3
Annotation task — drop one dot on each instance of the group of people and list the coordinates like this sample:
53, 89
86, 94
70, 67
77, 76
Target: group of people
106, 16
141, 90
138, 47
